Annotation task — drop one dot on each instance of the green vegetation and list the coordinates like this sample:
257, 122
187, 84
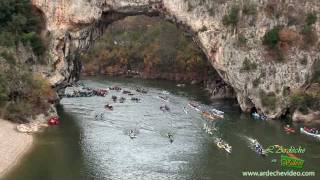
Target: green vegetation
308, 32
3, 88
146, 45
305, 101
268, 100
249, 8
20, 23
232, 17
21, 93
311, 18
316, 76
204, 28
271, 38
256, 82
242, 40
248, 66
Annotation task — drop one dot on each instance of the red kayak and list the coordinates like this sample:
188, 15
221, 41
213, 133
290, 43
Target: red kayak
53, 121
289, 130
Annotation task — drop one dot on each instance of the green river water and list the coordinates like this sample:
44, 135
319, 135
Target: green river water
83, 147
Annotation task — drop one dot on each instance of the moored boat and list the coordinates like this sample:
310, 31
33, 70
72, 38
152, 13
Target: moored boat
308, 132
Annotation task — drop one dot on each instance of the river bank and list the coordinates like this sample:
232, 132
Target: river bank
13, 146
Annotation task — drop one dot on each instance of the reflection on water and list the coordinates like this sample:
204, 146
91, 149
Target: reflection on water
93, 143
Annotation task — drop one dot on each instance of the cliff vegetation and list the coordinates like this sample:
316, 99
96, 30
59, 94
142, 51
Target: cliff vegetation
22, 92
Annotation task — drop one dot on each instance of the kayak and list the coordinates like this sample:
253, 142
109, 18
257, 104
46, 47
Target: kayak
309, 134
253, 145
258, 116
185, 110
261, 152
170, 136
289, 130
223, 145
194, 105
165, 92
208, 115
217, 113
164, 98
132, 134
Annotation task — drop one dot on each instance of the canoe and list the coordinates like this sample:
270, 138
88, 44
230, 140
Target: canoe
217, 113
302, 131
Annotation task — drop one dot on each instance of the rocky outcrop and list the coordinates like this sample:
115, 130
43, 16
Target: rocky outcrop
311, 119
74, 25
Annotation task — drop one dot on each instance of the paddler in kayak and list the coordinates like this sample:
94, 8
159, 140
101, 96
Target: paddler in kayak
258, 148
132, 134
170, 136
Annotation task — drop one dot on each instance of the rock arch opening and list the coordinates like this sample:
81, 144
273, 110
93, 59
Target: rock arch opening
150, 47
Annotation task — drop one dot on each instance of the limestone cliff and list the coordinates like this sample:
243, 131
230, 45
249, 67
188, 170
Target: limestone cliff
236, 51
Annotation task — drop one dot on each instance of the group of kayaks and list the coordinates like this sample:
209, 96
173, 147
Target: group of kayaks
213, 114
313, 132
253, 144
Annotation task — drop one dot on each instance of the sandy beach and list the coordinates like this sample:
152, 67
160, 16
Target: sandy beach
13, 145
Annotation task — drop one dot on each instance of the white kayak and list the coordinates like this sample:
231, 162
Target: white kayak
195, 106
165, 92
185, 110
309, 134
223, 145
217, 113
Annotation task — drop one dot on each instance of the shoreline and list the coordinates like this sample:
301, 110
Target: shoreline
13, 146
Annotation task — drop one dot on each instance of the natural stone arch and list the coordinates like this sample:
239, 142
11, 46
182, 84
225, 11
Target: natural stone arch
75, 24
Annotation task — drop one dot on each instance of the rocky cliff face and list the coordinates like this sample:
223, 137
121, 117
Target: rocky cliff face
236, 51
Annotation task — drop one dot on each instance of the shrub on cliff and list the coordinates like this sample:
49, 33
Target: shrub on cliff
249, 8
232, 17
24, 93
316, 75
18, 112
248, 66
35, 41
311, 18
271, 37
268, 100
18, 18
3, 88
305, 101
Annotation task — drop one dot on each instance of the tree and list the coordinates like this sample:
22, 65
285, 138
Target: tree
3, 88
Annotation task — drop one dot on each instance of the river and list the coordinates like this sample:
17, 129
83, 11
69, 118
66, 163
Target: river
85, 147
